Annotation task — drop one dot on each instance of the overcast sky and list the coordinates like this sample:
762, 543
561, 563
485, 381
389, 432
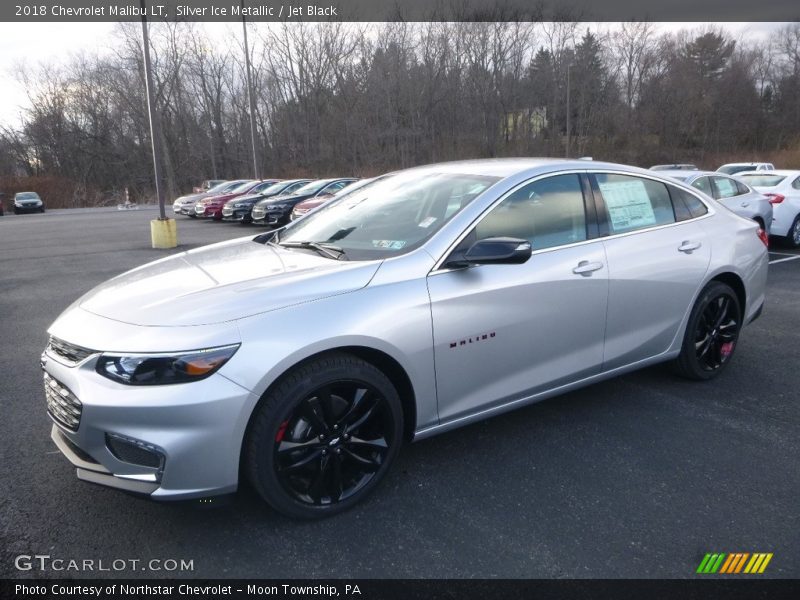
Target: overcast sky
31, 43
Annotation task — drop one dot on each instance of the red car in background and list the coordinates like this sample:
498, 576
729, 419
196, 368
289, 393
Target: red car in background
211, 208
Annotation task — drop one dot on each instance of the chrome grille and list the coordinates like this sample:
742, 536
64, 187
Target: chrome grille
62, 404
70, 353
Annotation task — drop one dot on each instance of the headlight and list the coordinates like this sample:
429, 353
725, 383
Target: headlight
162, 369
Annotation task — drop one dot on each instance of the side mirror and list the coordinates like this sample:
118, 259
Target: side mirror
495, 251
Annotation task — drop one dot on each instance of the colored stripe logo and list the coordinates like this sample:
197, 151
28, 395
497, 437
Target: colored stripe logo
733, 563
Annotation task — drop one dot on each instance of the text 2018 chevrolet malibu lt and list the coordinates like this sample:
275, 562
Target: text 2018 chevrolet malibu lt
439, 296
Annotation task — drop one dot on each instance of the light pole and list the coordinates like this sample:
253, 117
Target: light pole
162, 231
251, 100
566, 151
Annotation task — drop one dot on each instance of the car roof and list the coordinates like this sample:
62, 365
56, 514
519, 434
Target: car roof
503, 168
784, 172
744, 164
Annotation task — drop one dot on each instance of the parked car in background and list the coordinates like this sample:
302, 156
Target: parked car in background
303, 358
782, 187
731, 192
240, 209
677, 167
733, 168
211, 207
306, 206
185, 204
277, 211
26, 202
207, 185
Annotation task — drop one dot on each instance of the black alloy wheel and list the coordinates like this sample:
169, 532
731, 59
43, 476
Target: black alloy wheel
323, 439
712, 332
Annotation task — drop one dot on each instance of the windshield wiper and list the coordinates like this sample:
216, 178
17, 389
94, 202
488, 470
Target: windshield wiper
328, 250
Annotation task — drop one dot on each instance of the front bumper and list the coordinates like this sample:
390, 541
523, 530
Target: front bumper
239, 215
28, 208
270, 218
194, 431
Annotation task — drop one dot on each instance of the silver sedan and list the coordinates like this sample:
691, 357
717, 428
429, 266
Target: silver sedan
782, 187
731, 192
438, 296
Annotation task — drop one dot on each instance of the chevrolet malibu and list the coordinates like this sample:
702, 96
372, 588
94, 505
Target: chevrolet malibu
441, 295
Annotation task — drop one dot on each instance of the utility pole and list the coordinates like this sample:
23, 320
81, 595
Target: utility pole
251, 99
163, 232
155, 129
566, 151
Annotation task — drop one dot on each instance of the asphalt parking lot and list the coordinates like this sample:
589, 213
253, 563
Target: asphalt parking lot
637, 477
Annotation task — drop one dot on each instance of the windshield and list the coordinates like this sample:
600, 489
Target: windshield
27, 196
223, 187
763, 180
276, 188
313, 187
241, 188
390, 217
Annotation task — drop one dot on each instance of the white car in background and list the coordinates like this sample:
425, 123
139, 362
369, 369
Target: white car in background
782, 187
731, 192
734, 168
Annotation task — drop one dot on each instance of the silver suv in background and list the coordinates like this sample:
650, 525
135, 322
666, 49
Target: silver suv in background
303, 357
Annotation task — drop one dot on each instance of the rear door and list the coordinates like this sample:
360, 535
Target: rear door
658, 255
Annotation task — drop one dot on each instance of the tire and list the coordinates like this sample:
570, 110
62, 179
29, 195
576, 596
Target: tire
346, 415
792, 238
41, 210
711, 333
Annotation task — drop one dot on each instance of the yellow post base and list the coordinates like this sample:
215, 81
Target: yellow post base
164, 234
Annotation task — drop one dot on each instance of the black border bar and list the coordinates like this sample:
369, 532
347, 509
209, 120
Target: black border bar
402, 589
401, 10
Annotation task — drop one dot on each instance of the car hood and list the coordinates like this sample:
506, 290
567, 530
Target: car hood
223, 282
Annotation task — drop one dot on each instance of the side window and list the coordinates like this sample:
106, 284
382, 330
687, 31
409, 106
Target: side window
704, 185
687, 206
796, 184
548, 212
743, 189
726, 188
634, 203
292, 188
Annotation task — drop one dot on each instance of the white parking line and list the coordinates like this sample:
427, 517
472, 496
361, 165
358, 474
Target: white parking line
780, 260
783, 253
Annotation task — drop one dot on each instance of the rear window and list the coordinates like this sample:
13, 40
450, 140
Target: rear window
758, 180
731, 169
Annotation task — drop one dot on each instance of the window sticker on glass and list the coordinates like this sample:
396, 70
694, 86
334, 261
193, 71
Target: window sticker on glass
628, 204
427, 222
390, 244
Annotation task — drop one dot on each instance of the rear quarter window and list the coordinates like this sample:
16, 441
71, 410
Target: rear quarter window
687, 206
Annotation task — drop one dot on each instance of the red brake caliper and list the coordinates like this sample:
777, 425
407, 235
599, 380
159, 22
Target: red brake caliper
281, 431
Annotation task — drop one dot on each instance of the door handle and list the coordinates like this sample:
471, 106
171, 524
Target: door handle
586, 268
688, 247
745, 204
